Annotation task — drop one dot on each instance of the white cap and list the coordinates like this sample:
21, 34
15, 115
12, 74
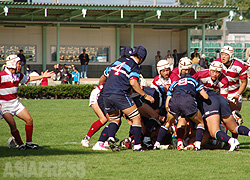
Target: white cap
216, 66
185, 63
228, 50
11, 61
162, 64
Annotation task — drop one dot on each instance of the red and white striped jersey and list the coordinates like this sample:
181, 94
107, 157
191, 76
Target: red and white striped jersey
220, 85
9, 84
235, 72
176, 71
160, 81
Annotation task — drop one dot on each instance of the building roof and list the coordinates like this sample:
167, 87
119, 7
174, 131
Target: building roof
238, 27
178, 17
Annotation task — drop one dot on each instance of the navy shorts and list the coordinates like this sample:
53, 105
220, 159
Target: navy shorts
116, 102
216, 104
182, 105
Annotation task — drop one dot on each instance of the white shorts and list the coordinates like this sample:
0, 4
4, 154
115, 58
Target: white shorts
231, 95
13, 107
94, 95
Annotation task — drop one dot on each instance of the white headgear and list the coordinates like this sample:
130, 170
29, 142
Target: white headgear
162, 64
228, 50
185, 63
216, 66
11, 61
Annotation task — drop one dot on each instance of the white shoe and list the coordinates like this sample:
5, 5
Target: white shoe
99, 146
106, 144
234, 144
85, 142
157, 146
237, 117
12, 143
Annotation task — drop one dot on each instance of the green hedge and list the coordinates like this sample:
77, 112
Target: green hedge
56, 92
246, 93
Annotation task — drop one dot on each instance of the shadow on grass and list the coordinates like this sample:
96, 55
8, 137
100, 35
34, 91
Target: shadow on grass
48, 151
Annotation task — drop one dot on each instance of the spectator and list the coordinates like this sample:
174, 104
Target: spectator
206, 63
170, 59
158, 57
195, 56
202, 61
84, 58
248, 53
70, 70
64, 75
23, 61
177, 57
44, 81
28, 71
76, 76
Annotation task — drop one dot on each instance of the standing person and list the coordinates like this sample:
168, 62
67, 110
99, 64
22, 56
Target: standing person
170, 59
158, 57
195, 57
236, 74
84, 58
10, 77
177, 57
64, 75
23, 61
123, 76
76, 76
202, 61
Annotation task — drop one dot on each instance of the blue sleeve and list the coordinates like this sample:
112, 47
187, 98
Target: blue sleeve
198, 85
135, 72
107, 71
170, 89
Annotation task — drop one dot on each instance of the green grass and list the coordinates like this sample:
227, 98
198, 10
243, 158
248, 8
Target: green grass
59, 126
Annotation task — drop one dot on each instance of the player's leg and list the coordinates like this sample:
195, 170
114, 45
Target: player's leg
13, 129
25, 116
197, 118
134, 115
95, 126
163, 130
181, 125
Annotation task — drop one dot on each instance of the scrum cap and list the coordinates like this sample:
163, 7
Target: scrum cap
11, 61
140, 52
162, 64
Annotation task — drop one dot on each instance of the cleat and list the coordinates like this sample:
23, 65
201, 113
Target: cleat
99, 146
190, 147
237, 117
164, 147
22, 147
147, 142
113, 145
157, 146
138, 148
126, 143
30, 145
12, 143
85, 142
180, 147
234, 144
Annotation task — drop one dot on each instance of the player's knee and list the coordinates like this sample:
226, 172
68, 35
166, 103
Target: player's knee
29, 121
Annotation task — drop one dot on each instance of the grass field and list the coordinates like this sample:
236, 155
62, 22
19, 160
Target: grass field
59, 126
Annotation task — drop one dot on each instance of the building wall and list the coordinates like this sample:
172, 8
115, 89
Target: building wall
152, 40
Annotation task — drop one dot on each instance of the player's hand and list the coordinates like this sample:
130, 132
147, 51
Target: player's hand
150, 98
167, 86
48, 74
235, 99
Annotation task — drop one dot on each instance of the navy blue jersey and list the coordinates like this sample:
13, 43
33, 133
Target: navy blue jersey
119, 73
185, 85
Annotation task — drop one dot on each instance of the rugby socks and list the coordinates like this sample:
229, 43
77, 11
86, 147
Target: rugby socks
199, 135
180, 134
221, 136
137, 133
104, 135
162, 132
29, 131
17, 137
112, 129
94, 128
243, 130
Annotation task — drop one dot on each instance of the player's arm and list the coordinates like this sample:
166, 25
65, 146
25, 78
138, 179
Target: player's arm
136, 86
102, 80
167, 102
45, 74
204, 94
242, 87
